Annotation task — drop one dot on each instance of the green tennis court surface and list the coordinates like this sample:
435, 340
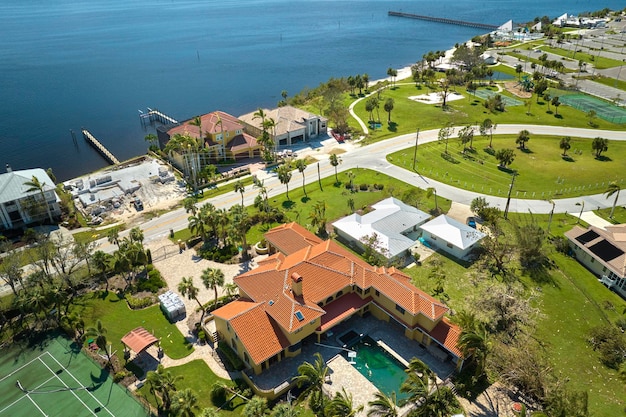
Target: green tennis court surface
486, 94
54, 378
604, 110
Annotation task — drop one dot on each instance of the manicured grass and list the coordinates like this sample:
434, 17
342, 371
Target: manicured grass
200, 378
409, 115
600, 62
619, 216
94, 234
336, 196
118, 319
543, 173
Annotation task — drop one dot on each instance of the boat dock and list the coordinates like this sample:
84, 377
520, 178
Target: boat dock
91, 139
155, 115
444, 20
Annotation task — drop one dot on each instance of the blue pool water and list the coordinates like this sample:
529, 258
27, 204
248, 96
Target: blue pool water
424, 242
380, 368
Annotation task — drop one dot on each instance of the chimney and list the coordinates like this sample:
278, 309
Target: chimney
296, 284
9, 168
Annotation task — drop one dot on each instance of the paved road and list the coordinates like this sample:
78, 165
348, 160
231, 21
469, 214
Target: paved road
374, 157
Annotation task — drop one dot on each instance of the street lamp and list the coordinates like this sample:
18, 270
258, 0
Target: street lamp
582, 204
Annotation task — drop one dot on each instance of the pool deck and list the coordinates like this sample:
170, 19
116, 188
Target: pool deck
343, 375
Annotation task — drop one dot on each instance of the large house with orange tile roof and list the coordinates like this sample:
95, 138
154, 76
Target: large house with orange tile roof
219, 135
308, 287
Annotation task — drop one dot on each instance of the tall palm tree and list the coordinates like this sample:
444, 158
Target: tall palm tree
113, 236
185, 403
429, 193
565, 145
240, 188
335, 160
189, 204
230, 288
613, 188
474, 341
383, 405
318, 217
430, 399
35, 185
255, 407
342, 406
312, 376
522, 138
222, 220
186, 288
198, 225
162, 382
301, 166
213, 278
240, 225
99, 333
284, 176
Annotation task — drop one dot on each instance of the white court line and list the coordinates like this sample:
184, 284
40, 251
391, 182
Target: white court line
35, 404
22, 367
25, 394
79, 383
66, 386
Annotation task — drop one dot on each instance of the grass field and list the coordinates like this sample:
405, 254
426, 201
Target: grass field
59, 380
600, 62
119, 319
543, 173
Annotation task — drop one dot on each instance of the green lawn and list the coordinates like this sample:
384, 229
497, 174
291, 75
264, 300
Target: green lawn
581, 174
410, 115
619, 216
600, 62
118, 319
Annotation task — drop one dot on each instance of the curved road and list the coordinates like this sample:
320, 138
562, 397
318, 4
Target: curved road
374, 157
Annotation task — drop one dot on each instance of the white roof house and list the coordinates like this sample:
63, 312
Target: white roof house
452, 236
391, 220
14, 197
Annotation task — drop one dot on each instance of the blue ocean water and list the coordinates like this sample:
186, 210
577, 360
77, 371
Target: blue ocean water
68, 64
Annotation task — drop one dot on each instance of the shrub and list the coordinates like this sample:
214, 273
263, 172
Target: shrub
193, 241
235, 362
216, 254
152, 283
121, 375
379, 187
363, 187
136, 303
218, 394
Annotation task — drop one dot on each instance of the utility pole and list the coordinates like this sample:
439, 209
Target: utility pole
508, 199
415, 152
319, 179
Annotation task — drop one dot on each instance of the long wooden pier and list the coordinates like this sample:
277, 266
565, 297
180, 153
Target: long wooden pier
444, 20
91, 139
152, 115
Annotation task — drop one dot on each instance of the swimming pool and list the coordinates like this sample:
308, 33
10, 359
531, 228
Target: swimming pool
379, 367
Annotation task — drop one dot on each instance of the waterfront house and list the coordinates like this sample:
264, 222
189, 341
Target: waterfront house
603, 252
19, 207
218, 136
293, 125
446, 234
298, 296
395, 224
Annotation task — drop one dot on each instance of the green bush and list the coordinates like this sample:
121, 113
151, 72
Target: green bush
363, 187
379, 187
152, 283
234, 360
138, 303
216, 254
121, 375
218, 394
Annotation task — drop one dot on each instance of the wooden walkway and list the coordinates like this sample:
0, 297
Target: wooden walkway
444, 20
91, 139
153, 115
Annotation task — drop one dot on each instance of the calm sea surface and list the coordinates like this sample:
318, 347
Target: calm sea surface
67, 64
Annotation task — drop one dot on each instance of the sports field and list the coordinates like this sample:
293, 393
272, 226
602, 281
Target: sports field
604, 110
54, 378
508, 101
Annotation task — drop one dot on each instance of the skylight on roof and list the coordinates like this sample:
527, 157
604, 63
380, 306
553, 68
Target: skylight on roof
270, 302
299, 315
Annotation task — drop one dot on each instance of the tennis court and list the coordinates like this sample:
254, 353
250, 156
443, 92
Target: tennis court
54, 378
604, 110
486, 94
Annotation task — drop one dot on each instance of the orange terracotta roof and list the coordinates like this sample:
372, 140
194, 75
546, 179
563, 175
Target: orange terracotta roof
241, 143
291, 237
448, 334
340, 309
233, 309
139, 339
285, 307
259, 334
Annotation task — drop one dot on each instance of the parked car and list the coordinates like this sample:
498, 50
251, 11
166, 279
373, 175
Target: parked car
138, 204
471, 222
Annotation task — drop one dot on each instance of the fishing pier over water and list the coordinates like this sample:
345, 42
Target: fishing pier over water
444, 20
91, 139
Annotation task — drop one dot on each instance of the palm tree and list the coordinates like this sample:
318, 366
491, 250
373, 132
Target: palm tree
240, 225
230, 289
198, 225
301, 166
152, 139
312, 376
210, 412
613, 188
284, 176
565, 145
99, 333
474, 341
101, 261
335, 161
556, 103
388, 106
519, 70
599, 145
444, 134
184, 403
342, 406
162, 382
488, 125
213, 278
113, 236
383, 405
35, 185
255, 407
197, 121
318, 217
429, 193
522, 138
430, 399
284, 410
240, 188
186, 288
189, 204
